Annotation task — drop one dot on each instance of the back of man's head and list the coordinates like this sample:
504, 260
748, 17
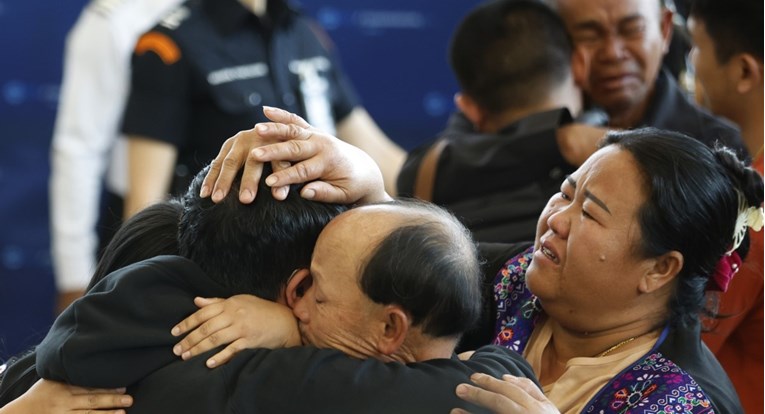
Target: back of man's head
735, 26
428, 266
510, 54
251, 248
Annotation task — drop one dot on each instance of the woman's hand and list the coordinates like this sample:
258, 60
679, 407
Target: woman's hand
509, 395
50, 397
334, 171
242, 322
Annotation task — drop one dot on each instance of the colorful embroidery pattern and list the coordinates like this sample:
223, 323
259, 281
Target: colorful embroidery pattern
654, 385
517, 308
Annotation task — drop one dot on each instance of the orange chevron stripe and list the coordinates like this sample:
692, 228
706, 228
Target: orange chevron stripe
161, 45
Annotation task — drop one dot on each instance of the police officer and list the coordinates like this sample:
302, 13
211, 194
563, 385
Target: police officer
203, 74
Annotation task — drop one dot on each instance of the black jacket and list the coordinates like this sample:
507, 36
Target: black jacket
496, 184
119, 335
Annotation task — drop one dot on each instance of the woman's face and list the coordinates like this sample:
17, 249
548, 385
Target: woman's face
586, 266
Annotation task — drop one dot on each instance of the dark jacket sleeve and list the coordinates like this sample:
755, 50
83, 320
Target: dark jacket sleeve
18, 377
327, 381
117, 334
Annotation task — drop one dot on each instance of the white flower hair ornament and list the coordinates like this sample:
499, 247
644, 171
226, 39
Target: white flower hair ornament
730, 263
748, 217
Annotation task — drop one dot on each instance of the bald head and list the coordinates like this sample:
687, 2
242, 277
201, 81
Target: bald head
426, 263
396, 280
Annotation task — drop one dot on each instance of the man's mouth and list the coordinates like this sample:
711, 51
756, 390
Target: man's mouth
615, 82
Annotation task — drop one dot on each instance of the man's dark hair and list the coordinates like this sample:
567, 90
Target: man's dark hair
735, 26
430, 268
510, 54
251, 248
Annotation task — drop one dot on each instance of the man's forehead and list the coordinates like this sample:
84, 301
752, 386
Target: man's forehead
356, 232
612, 10
372, 220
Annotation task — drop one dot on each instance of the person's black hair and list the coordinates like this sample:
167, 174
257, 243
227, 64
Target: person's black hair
251, 248
691, 207
151, 232
735, 26
510, 54
430, 268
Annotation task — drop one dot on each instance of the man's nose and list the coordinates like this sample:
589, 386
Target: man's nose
613, 47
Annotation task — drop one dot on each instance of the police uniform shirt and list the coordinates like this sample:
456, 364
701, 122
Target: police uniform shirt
205, 71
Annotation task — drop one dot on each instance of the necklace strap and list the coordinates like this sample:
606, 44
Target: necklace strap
617, 346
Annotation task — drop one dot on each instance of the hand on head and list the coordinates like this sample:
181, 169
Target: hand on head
333, 170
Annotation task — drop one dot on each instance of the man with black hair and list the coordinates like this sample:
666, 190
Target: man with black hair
271, 239
728, 60
507, 149
120, 333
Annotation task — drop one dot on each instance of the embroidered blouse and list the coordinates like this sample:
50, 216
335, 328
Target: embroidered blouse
677, 375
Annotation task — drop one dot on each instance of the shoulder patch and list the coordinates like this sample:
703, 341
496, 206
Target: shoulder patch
159, 44
174, 19
104, 7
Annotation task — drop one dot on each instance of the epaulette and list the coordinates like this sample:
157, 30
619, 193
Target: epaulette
104, 7
174, 19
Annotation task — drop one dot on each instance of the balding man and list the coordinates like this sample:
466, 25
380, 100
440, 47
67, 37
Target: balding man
396, 281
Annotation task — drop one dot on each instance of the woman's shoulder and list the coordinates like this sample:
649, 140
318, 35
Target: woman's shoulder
679, 375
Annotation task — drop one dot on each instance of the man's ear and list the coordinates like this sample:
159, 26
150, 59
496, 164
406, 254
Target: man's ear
397, 324
661, 271
470, 109
747, 72
297, 284
666, 25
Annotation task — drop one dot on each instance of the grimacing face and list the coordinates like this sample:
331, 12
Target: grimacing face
333, 311
623, 42
585, 269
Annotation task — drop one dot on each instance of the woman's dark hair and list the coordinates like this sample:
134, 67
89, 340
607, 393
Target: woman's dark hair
691, 207
152, 232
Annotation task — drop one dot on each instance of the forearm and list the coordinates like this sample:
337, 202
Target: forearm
150, 172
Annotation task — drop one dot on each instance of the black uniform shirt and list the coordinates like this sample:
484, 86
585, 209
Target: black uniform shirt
496, 184
204, 72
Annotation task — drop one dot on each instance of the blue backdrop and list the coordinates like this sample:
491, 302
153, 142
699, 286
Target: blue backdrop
395, 51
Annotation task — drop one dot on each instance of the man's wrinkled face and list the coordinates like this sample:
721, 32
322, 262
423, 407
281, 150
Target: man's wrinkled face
334, 312
624, 42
